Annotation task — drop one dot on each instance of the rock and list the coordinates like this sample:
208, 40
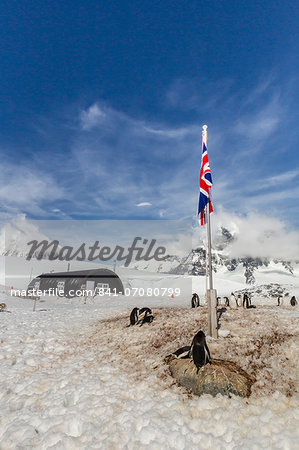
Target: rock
220, 377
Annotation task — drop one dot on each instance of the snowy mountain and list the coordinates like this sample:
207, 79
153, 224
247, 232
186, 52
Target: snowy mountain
194, 263
15, 236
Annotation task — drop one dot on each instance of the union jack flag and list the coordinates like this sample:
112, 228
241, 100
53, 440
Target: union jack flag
205, 183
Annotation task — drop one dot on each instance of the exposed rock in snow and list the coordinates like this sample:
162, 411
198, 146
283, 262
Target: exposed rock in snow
221, 377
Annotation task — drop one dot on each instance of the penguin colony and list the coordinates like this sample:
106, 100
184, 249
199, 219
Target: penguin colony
199, 351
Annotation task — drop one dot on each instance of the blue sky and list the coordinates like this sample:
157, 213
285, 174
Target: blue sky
102, 105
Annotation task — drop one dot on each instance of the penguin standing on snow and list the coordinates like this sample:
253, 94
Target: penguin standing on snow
134, 316
195, 301
199, 350
245, 300
239, 300
293, 301
233, 302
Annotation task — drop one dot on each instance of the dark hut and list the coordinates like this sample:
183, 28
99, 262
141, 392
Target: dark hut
73, 284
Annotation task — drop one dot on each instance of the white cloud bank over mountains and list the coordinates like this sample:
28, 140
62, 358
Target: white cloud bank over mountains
254, 236
257, 235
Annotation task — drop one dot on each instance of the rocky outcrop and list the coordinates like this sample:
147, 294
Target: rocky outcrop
220, 377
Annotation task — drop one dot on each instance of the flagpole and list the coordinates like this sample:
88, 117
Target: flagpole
209, 247
211, 293
207, 264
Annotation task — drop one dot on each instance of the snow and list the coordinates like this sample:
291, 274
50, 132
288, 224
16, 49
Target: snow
74, 376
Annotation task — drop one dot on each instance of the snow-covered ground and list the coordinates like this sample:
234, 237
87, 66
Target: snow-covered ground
74, 376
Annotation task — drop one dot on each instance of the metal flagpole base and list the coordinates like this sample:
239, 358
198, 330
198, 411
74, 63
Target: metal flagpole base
212, 313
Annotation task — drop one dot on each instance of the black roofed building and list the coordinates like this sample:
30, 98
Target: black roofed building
77, 283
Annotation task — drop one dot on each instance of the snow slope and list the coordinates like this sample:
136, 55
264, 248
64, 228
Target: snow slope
73, 376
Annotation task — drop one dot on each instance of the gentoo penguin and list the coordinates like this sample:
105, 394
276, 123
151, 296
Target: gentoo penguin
134, 316
199, 350
194, 301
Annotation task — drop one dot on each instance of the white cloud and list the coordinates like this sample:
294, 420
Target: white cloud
278, 179
174, 133
262, 120
25, 188
144, 204
257, 128
257, 235
16, 233
189, 94
91, 117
